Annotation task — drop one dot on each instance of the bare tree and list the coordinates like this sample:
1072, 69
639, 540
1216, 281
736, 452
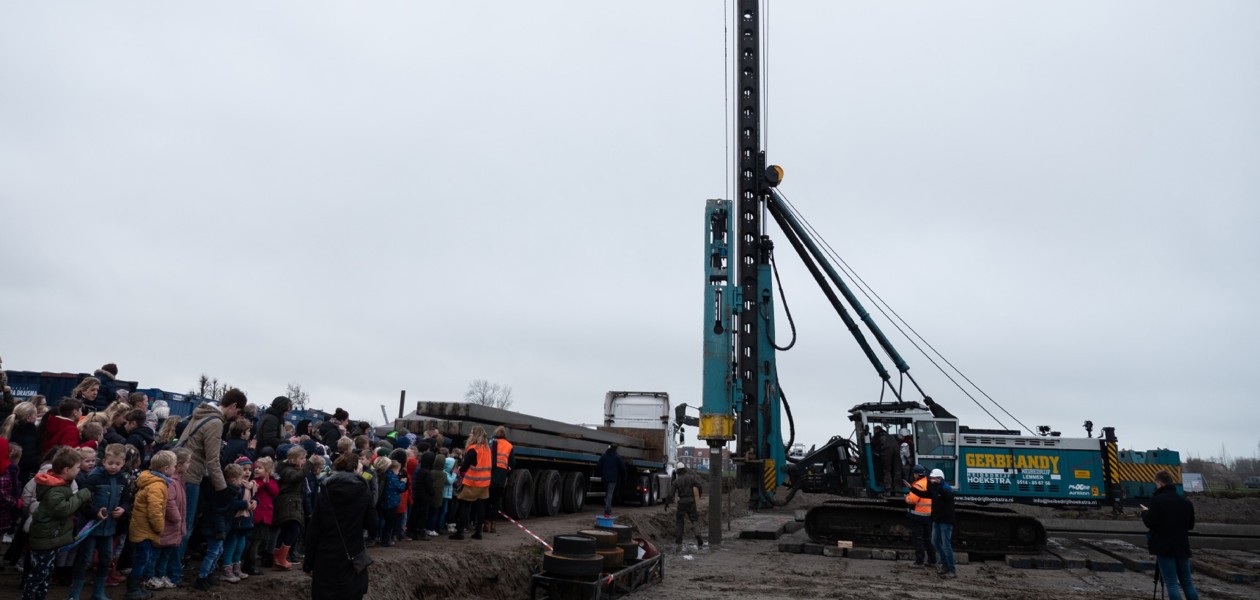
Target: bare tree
209, 387
298, 395
489, 394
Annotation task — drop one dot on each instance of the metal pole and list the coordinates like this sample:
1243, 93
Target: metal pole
402, 398
715, 495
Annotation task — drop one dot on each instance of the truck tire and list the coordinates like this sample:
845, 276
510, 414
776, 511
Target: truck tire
547, 493
645, 496
573, 492
573, 566
518, 494
653, 489
573, 545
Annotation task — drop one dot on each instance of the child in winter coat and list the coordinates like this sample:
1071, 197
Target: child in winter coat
224, 504
240, 525
167, 571
52, 524
265, 496
448, 491
437, 485
107, 484
149, 520
391, 498
289, 516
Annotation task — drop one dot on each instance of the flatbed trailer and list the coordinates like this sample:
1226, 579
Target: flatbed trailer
556, 462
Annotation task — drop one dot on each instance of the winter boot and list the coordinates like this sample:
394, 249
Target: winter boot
76, 588
202, 584
280, 559
229, 574
136, 591
115, 578
236, 569
699, 542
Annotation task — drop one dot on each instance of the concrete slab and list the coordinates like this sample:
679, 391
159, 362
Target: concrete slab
1132, 557
1068, 552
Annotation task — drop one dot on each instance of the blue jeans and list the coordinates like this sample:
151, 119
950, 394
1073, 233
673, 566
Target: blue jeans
214, 549
192, 495
437, 517
942, 540
234, 548
102, 546
611, 486
168, 565
1174, 569
142, 561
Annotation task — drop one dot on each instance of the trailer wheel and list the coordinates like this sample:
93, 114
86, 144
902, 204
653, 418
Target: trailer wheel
518, 494
573, 492
645, 496
654, 490
547, 493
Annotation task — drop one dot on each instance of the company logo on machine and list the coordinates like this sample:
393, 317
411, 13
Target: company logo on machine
1001, 469
1080, 489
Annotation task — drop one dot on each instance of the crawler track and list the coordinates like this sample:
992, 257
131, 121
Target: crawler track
979, 528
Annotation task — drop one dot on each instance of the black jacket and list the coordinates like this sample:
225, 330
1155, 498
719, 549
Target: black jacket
271, 428
141, 438
611, 466
336, 528
329, 433
942, 503
1170, 519
26, 435
106, 395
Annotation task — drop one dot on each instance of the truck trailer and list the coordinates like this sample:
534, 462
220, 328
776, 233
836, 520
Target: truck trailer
555, 468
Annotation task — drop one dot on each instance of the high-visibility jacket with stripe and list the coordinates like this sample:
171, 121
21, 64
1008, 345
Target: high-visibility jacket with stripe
919, 500
503, 451
479, 474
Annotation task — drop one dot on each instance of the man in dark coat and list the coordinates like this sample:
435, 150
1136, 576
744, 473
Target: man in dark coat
610, 467
343, 510
271, 426
1170, 518
943, 520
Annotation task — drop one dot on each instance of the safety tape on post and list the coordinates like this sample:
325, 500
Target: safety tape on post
522, 527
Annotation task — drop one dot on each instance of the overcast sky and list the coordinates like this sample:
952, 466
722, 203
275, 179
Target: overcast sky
1060, 196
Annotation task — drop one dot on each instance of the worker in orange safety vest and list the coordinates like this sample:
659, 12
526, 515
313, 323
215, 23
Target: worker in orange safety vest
920, 511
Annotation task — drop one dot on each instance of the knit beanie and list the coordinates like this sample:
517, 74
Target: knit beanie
244, 462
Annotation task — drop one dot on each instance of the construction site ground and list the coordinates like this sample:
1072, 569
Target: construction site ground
500, 566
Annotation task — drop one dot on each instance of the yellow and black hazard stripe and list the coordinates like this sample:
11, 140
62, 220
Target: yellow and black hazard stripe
769, 476
1113, 462
1146, 473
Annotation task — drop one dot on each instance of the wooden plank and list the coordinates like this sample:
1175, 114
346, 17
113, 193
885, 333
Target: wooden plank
1068, 553
1019, 561
461, 429
1136, 559
463, 411
1136, 526
1247, 560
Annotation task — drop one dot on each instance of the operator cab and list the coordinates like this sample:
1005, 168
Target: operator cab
923, 438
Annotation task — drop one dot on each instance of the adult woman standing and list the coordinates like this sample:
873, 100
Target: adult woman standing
343, 510
19, 428
289, 512
476, 479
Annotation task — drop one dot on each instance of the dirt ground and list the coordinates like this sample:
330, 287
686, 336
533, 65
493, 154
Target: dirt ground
499, 567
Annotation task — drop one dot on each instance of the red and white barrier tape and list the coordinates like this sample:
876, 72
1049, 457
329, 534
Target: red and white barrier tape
531, 534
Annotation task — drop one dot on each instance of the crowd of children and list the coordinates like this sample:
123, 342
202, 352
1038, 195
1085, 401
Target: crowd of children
105, 503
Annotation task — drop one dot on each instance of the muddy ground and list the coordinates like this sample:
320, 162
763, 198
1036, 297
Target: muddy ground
500, 565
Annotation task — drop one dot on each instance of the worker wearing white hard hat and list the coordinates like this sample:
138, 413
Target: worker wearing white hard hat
943, 522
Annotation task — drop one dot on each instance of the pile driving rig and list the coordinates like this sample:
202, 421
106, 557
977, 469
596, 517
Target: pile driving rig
743, 401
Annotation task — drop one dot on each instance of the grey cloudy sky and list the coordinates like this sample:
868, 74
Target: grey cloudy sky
1060, 196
